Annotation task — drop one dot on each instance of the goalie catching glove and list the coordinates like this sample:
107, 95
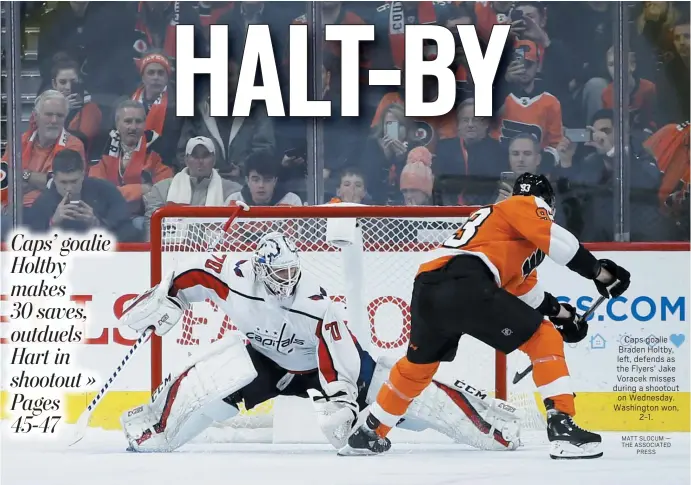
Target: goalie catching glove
336, 415
571, 328
156, 308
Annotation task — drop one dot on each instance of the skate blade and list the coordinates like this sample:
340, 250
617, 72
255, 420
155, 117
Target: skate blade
348, 450
563, 450
133, 449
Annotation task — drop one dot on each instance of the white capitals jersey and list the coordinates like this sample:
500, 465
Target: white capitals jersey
304, 333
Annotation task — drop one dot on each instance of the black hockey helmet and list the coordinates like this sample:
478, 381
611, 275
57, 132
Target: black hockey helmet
537, 185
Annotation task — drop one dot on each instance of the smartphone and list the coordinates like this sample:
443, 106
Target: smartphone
578, 135
77, 88
508, 178
516, 15
75, 202
519, 56
391, 129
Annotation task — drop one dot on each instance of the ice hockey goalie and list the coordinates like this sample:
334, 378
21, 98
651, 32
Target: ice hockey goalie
299, 345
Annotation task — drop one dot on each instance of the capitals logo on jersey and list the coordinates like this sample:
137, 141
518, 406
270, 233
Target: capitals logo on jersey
278, 341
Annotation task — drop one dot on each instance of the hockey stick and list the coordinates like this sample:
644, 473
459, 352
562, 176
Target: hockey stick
520, 375
83, 421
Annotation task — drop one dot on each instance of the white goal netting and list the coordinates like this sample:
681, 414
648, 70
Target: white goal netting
372, 277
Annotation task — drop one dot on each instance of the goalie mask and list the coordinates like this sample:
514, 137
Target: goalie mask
277, 264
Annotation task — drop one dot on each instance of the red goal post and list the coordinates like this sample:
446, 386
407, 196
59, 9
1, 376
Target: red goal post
392, 238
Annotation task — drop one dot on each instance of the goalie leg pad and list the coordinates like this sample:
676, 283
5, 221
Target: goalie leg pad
489, 424
459, 411
382, 368
183, 407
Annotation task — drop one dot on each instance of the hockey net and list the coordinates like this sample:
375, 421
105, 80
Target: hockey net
372, 277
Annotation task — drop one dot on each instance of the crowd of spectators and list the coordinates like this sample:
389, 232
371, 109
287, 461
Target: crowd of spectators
105, 149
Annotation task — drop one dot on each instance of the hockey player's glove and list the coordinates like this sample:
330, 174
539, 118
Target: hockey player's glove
572, 329
618, 285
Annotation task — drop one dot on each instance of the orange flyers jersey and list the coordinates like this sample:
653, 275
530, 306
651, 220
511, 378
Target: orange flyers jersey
512, 238
539, 116
670, 147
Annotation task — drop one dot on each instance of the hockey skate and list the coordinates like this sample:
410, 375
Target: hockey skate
568, 441
365, 441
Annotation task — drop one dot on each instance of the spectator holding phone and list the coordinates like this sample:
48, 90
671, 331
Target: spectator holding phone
385, 154
524, 156
593, 180
83, 117
77, 203
555, 62
529, 107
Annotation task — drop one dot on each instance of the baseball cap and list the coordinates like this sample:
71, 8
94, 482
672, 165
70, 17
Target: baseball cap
199, 140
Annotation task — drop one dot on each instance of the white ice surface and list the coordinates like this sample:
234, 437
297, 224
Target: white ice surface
100, 459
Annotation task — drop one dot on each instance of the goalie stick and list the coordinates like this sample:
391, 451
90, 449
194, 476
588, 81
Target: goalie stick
83, 421
520, 375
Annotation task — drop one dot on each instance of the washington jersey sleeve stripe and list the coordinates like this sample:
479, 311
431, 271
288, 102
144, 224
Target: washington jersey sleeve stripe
190, 279
326, 363
338, 355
